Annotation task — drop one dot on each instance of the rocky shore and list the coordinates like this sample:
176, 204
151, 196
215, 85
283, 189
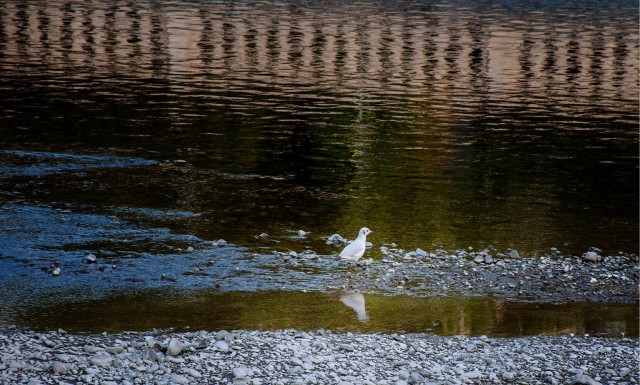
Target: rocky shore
553, 277
318, 357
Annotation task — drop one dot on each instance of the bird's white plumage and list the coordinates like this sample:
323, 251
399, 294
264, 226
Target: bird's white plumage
355, 250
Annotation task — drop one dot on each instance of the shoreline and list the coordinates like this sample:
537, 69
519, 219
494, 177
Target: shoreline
319, 357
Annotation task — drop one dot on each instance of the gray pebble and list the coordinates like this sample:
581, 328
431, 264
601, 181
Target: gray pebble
507, 376
224, 335
149, 355
179, 379
103, 360
241, 372
58, 367
222, 346
583, 379
115, 349
175, 347
63, 357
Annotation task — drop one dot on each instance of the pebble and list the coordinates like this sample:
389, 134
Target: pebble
507, 376
224, 335
179, 379
582, 378
175, 347
222, 345
336, 239
241, 372
592, 256
58, 367
317, 357
91, 258
103, 360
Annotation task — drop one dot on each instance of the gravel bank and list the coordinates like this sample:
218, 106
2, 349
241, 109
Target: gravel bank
552, 277
321, 357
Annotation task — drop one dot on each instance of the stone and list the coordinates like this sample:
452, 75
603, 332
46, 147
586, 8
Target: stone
421, 253
149, 355
513, 254
551, 380
336, 239
179, 379
91, 349
295, 361
58, 367
150, 341
347, 347
175, 347
56, 272
241, 372
91, 258
581, 378
115, 349
507, 376
103, 360
591, 256
415, 378
62, 357
194, 373
224, 335
222, 346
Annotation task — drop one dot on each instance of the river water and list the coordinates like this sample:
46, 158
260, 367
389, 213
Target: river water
136, 128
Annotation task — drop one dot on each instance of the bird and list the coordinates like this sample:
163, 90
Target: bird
355, 250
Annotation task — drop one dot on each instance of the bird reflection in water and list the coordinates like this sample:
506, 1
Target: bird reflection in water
356, 302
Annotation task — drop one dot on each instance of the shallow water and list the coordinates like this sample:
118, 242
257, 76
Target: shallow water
134, 130
336, 311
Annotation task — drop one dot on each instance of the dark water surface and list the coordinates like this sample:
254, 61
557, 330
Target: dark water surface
135, 129
336, 311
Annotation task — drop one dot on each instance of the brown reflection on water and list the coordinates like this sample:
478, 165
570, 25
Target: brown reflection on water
271, 310
349, 47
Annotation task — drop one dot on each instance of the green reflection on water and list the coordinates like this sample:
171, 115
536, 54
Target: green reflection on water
337, 311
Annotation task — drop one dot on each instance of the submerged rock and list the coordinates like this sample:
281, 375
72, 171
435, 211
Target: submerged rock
336, 239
